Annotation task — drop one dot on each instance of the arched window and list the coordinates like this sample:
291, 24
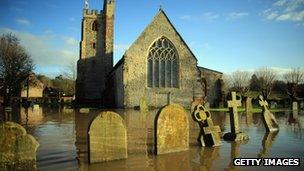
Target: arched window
163, 64
94, 26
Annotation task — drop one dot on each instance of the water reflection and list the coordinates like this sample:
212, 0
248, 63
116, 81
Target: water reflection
62, 134
267, 142
249, 118
206, 157
234, 153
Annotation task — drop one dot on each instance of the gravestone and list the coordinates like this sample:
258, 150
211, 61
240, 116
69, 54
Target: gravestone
172, 129
273, 105
209, 133
207, 105
84, 110
36, 107
107, 138
143, 107
302, 105
294, 105
17, 146
235, 134
248, 105
269, 120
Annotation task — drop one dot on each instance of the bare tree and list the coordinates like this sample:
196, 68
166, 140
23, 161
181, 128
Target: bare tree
15, 65
70, 70
293, 79
240, 81
265, 79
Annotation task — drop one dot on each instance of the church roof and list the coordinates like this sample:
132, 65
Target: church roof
203, 68
160, 12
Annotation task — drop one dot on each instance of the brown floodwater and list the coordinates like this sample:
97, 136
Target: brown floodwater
62, 135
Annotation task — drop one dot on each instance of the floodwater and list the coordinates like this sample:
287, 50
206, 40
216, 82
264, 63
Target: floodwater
62, 134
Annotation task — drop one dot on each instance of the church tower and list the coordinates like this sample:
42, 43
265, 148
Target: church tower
96, 52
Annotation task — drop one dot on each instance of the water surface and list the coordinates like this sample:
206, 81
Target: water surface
62, 134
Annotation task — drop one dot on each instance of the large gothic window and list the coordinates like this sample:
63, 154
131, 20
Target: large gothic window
163, 64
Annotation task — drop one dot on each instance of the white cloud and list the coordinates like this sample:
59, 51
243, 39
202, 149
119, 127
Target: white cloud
237, 15
280, 3
23, 22
47, 50
185, 17
286, 10
70, 41
208, 16
16, 9
292, 16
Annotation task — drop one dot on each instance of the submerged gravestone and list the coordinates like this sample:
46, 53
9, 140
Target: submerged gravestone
107, 138
302, 105
248, 105
294, 105
235, 134
172, 129
84, 110
207, 105
209, 133
143, 107
16, 146
269, 120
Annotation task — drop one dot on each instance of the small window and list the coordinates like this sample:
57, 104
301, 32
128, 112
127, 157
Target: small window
94, 26
94, 45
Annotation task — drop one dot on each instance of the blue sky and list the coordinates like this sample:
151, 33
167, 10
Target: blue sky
225, 35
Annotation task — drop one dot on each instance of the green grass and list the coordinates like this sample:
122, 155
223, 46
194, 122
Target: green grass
254, 110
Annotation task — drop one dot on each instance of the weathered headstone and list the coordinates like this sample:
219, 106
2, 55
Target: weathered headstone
172, 129
302, 105
273, 105
235, 134
207, 105
143, 107
17, 146
269, 120
36, 107
209, 133
107, 138
248, 105
294, 105
84, 110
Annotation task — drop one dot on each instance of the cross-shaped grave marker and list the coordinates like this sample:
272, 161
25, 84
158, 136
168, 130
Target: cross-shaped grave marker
210, 133
269, 120
235, 134
234, 118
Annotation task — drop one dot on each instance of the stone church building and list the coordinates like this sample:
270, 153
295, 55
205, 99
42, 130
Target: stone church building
158, 67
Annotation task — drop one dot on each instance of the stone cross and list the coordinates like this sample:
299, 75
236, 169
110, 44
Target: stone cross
214, 133
263, 103
234, 118
269, 120
210, 133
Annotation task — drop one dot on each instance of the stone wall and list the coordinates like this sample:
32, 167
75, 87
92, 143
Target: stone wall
135, 68
212, 85
96, 53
